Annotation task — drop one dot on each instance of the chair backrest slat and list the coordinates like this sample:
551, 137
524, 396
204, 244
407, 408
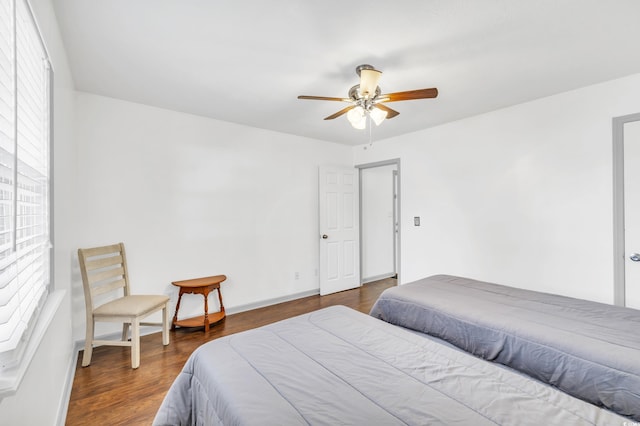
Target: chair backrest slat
103, 269
100, 251
103, 262
98, 278
106, 288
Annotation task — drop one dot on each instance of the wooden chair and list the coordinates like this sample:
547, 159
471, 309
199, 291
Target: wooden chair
104, 270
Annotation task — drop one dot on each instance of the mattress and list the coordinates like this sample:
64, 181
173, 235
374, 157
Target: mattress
339, 366
589, 350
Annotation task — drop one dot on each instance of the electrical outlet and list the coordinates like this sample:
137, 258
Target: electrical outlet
296, 275
416, 221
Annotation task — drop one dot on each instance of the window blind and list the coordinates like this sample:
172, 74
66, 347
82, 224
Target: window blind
24, 175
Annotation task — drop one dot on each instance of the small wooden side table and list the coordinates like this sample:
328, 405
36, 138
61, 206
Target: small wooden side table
201, 286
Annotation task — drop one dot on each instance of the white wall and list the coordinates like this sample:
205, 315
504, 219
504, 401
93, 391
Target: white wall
191, 196
376, 227
41, 397
521, 196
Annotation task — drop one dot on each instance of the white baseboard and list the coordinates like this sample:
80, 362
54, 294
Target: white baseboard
68, 386
269, 302
378, 277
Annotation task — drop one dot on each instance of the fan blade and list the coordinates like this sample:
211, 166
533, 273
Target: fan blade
409, 95
324, 98
339, 113
390, 112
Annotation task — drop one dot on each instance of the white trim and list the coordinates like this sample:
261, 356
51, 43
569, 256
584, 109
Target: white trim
63, 406
270, 302
378, 277
397, 202
11, 379
618, 207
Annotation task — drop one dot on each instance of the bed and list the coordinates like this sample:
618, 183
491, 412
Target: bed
589, 350
339, 366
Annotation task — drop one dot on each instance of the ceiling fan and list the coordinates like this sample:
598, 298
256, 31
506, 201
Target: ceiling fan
366, 99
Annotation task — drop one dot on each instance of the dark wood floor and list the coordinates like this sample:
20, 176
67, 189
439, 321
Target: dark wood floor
109, 392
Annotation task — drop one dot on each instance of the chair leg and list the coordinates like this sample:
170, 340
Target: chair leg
135, 343
88, 343
165, 324
125, 331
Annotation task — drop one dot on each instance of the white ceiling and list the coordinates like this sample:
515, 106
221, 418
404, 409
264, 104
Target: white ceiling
245, 61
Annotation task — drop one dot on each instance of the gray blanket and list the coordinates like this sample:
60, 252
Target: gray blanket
587, 349
338, 366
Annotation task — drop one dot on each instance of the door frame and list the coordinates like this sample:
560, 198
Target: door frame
397, 239
618, 207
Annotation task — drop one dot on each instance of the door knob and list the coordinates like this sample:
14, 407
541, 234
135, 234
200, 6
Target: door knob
325, 236
635, 257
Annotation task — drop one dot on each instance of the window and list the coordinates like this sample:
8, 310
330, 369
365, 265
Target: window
25, 250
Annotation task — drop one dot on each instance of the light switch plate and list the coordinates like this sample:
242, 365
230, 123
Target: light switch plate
416, 221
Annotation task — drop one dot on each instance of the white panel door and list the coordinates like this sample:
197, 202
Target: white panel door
339, 229
632, 213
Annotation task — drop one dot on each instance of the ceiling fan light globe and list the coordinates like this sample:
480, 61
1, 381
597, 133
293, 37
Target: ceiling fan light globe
357, 118
369, 79
361, 125
377, 115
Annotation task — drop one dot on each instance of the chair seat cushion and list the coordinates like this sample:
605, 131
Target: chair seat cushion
131, 305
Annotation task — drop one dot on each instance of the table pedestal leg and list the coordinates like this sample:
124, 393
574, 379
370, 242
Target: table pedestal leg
175, 315
206, 311
220, 299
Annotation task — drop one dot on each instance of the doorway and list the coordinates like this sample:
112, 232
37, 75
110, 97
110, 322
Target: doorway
626, 208
379, 220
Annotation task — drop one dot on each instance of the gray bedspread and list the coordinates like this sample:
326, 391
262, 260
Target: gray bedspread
337, 366
587, 349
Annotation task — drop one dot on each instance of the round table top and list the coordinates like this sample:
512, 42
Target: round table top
201, 282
